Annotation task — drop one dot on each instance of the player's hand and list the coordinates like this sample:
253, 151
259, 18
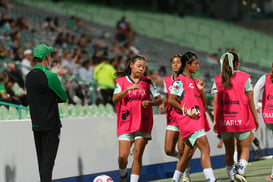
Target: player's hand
160, 108
145, 103
215, 127
132, 87
192, 113
200, 84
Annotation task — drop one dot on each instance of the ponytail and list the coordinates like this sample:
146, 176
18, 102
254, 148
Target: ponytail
127, 71
228, 61
226, 73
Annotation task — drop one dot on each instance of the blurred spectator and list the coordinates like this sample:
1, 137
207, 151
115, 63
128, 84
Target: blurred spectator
122, 27
12, 48
26, 62
51, 24
61, 40
15, 91
21, 24
68, 63
163, 71
4, 3
124, 31
8, 27
4, 19
104, 75
116, 48
57, 68
85, 73
4, 96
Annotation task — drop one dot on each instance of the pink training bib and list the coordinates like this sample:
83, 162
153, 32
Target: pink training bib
267, 106
191, 100
232, 110
131, 116
169, 111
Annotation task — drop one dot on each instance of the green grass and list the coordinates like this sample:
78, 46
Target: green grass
255, 172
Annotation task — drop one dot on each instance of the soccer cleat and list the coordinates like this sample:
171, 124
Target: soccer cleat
123, 178
270, 177
186, 179
239, 178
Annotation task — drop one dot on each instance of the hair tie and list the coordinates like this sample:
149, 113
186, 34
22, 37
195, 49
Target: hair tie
230, 61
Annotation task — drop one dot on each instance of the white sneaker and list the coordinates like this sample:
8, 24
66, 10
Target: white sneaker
186, 179
239, 178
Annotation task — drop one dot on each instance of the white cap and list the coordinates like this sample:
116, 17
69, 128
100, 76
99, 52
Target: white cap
27, 52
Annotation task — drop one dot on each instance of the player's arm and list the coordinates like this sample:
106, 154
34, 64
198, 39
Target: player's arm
119, 94
155, 94
249, 94
252, 108
163, 105
257, 90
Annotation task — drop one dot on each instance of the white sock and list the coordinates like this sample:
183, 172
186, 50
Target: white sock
230, 172
235, 156
123, 172
208, 172
176, 176
241, 166
272, 172
186, 172
134, 178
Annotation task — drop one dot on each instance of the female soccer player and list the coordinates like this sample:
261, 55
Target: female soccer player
265, 82
172, 136
235, 114
134, 114
186, 97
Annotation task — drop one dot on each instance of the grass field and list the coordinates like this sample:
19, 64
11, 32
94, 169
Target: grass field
255, 172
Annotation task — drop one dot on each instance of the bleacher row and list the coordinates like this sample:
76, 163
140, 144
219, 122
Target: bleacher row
195, 32
66, 111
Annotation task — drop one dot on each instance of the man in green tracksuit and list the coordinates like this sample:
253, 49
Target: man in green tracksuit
44, 92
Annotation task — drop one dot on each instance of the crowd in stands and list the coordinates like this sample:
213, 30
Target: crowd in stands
84, 57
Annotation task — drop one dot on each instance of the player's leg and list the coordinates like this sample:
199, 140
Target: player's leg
171, 138
229, 143
125, 142
140, 144
183, 162
244, 141
203, 145
181, 145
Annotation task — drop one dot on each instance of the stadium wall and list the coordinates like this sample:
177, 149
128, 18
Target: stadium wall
89, 147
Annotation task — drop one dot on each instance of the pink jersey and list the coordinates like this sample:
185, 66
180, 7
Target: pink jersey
232, 110
168, 83
191, 99
267, 106
131, 116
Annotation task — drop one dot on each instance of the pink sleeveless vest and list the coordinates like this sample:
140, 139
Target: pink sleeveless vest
170, 120
190, 100
232, 110
267, 106
131, 116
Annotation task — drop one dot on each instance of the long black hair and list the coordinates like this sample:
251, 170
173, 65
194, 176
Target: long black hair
188, 57
127, 71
